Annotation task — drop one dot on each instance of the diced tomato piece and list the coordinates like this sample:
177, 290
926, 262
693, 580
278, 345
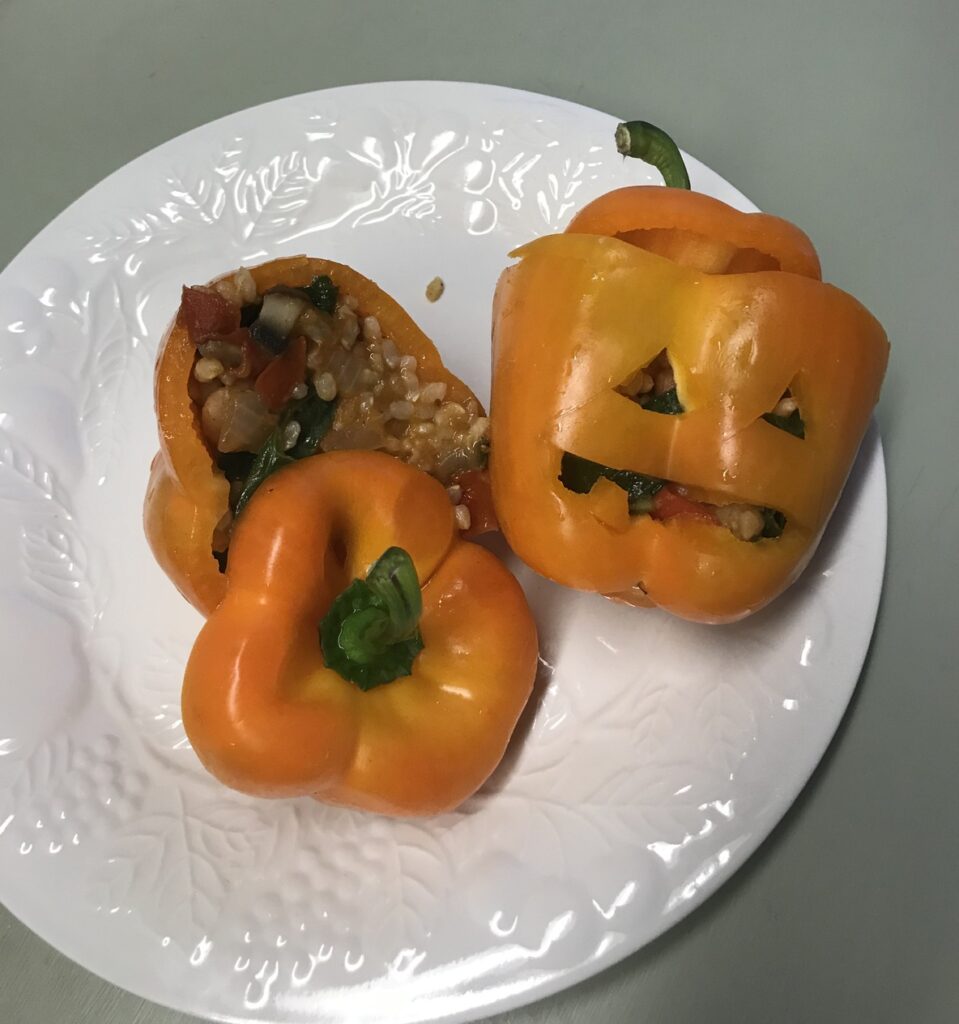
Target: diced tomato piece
255, 356
281, 375
478, 498
668, 504
206, 313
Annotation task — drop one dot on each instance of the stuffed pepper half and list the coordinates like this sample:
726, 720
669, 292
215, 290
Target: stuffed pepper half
272, 364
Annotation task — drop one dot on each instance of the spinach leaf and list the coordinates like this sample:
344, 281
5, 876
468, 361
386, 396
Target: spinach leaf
269, 459
580, 475
667, 403
323, 293
315, 417
792, 424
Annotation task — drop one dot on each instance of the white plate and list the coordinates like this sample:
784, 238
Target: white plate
659, 754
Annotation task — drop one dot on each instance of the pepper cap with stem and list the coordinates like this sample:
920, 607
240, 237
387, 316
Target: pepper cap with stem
370, 635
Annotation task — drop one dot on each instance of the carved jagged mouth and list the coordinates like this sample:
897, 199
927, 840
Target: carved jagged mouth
666, 499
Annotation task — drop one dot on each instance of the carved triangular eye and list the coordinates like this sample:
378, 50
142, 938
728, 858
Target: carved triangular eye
786, 415
653, 386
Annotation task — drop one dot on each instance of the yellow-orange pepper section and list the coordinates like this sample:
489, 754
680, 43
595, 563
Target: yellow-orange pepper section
577, 316
267, 717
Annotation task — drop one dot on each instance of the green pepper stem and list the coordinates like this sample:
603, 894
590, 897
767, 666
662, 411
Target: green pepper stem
393, 579
647, 142
370, 635
363, 635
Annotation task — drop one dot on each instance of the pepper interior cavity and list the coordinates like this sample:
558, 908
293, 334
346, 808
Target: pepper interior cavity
298, 371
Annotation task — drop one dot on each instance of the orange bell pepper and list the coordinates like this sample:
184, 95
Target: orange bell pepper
264, 709
602, 492
188, 495
579, 315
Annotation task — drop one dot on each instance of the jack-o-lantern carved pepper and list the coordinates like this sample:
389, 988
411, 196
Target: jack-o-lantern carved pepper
278, 362
677, 401
327, 671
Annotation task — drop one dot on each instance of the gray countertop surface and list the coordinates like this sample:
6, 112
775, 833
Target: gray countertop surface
840, 116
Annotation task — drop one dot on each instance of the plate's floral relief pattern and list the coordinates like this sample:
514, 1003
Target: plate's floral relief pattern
654, 755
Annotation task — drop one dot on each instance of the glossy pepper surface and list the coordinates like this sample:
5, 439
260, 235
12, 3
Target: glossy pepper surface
579, 314
267, 715
187, 494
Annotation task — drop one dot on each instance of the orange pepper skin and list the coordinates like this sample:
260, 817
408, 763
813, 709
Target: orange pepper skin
187, 495
267, 717
698, 231
575, 318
